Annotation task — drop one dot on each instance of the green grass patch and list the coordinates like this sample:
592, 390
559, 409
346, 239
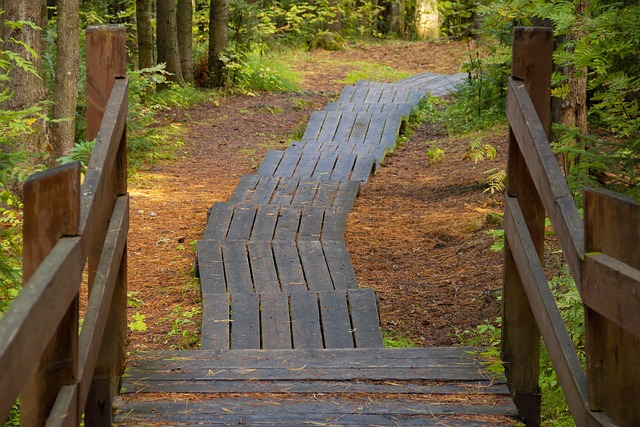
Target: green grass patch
372, 71
393, 340
270, 73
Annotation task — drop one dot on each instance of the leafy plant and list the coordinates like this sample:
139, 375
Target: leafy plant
138, 323
392, 340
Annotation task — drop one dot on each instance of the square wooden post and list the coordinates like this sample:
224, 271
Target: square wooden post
51, 211
531, 63
612, 227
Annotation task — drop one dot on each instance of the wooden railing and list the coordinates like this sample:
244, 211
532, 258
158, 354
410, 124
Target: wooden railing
59, 372
602, 253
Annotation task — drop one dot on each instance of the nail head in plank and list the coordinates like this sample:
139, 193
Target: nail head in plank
274, 312
215, 322
336, 325
364, 318
305, 320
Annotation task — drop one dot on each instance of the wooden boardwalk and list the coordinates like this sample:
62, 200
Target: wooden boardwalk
288, 337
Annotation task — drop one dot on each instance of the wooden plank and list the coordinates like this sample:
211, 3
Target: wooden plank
219, 221
612, 228
274, 312
360, 127
286, 189
244, 189
311, 223
329, 126
543, 306
334, 106
391, 130
336, 325
340, 267
363, 308
375, 129
334, 223
305, 320
288, 164
306, 192
242, 222
396, 387
344, 165
326, 194
346, 94
307, 165
210, 267
363, 168
315, 126
612, 288
347, 194
386, 97
288, 223
264, 189
343, 131
245, 321
236, 266
324, 168
314, 265
288, 266
264, 225
215, 322
263, 267
270, 163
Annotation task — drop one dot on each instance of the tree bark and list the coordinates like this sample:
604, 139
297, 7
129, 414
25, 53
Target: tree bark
66, 79
218, 39
167, 39
27, 90
145, 33
427, 19
396, 17
185, 38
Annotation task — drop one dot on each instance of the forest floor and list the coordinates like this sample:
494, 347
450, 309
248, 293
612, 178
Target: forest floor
417, 233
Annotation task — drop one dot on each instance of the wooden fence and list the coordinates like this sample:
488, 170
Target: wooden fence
69, 228
602, 252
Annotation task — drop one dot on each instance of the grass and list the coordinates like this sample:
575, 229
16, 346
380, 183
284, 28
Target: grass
391, 339
372, 71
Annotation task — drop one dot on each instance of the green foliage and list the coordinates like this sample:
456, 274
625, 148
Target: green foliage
456, 17
392, 340
478, 151
262, 73
370, 71
435, 153
182, 326
138, 323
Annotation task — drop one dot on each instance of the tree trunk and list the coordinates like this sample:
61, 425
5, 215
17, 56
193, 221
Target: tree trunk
66, 79
185, 38
27, 90
167, 39
218, 39
145, 33
396, 17
427, 19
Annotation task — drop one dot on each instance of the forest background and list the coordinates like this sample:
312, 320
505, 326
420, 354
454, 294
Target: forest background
185, 51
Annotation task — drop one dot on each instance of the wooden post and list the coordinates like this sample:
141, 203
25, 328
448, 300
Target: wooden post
532, 63
51, 211
612, 227
106, 61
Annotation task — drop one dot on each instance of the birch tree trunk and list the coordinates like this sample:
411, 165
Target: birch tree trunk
427, 19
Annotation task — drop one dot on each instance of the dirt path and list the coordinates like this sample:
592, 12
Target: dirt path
416, 233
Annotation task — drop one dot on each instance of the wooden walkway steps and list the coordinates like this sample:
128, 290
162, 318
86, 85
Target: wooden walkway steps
288, 337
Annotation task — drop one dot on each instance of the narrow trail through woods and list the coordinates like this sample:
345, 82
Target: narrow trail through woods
416, 233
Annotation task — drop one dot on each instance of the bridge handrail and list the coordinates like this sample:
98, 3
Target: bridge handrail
608, 281
59, 372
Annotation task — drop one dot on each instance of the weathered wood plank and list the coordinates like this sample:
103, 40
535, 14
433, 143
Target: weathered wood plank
264, 189
265, 223
330, 125
210, 267
274, 313
343, 167
270, 163
363, 168
375, 129
242, 222
245, 321
305, 320
244, 189
236, 266
314, 127
288, 223
347, 194
289, 267
360, 128
340, 266
345, 126
327, 191
336, 325
263, 267
286, 189
307, 164
314, 265
215, 330
306, 192
346, 94
311, 223
219, 221
324, 168
363, 308
334, 223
